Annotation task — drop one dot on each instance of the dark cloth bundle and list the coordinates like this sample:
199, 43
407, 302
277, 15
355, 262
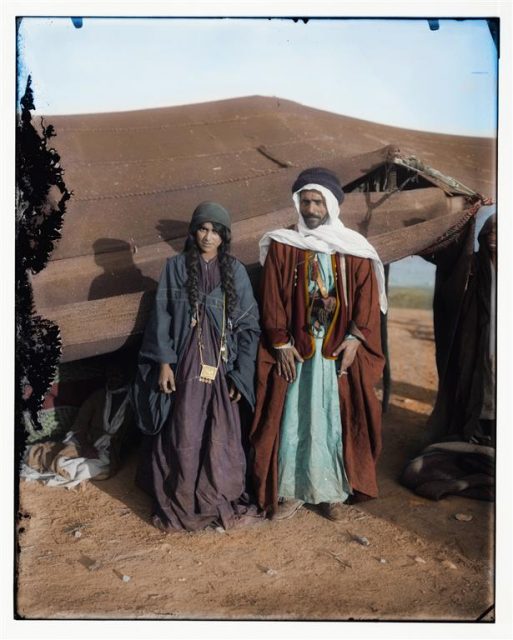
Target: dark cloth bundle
452, 468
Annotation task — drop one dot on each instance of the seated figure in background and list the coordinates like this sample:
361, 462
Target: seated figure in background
94, 447
461, 455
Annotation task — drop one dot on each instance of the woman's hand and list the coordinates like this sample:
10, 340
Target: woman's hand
233, 392
166, 379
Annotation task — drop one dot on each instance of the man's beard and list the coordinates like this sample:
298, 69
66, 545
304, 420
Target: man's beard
317, 219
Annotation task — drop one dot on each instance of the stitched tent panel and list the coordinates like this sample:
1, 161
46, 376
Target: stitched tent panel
128, 171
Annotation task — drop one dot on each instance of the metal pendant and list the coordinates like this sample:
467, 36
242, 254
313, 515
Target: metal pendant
224, 351
208, 373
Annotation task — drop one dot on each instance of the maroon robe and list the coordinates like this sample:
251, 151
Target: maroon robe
284, 302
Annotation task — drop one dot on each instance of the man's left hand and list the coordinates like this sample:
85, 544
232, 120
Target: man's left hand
349, 349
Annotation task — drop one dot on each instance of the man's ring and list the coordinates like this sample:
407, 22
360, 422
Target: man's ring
343, 373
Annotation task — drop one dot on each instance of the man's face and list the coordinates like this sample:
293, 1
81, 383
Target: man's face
313, 208
488, 237
491, 241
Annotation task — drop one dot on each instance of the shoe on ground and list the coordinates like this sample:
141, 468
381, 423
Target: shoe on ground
334, 511
287, 508
249, 520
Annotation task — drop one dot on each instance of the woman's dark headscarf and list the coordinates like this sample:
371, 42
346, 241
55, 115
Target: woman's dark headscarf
210, 212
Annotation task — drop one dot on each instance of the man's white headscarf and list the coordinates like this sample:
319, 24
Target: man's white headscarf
330, 237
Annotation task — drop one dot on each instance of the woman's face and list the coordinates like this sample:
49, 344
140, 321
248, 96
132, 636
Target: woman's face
207, 239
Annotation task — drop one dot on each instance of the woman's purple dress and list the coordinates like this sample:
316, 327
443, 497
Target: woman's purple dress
197, 460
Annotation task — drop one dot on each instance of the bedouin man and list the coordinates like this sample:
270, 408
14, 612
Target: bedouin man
316, 433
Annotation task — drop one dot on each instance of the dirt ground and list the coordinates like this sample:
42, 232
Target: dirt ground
92, 553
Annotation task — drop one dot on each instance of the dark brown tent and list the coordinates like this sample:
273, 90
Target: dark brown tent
137, 176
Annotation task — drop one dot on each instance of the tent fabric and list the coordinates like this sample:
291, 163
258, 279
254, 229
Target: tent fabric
137, 176
167, 160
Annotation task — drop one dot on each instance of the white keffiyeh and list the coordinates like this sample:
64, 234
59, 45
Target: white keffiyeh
330, 237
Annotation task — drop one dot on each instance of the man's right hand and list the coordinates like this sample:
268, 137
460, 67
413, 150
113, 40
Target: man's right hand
286, 362
166, 379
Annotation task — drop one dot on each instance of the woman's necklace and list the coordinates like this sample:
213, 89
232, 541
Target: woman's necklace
208, 372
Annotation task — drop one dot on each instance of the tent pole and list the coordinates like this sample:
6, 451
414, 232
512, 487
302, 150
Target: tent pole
384, 346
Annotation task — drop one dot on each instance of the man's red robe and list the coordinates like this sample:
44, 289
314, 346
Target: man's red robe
284, 309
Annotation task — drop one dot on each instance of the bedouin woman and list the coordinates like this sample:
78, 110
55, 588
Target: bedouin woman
196, 362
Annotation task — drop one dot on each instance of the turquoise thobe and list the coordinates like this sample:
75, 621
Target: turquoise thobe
310, 458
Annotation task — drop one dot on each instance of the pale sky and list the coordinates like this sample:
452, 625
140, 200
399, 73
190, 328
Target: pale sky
392, 71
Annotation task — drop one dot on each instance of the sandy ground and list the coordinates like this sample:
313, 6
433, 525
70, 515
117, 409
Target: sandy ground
91, 552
